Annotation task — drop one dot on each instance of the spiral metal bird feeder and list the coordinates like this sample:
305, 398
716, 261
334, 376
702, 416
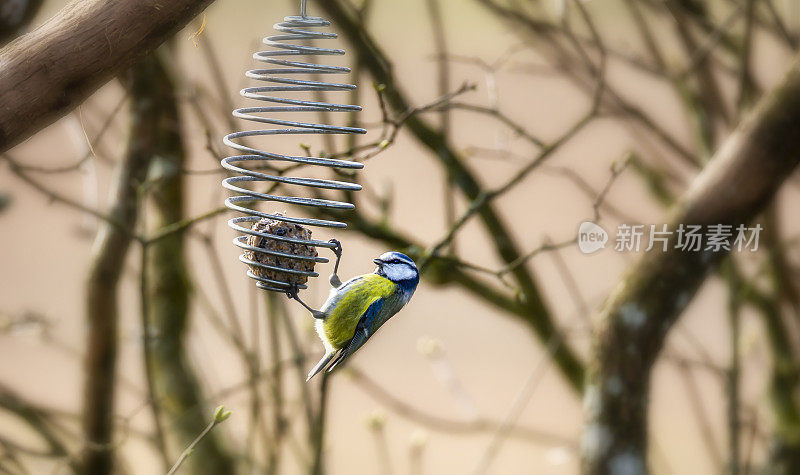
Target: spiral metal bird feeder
278, 248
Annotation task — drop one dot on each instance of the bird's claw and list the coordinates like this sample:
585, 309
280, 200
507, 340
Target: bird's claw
292, 291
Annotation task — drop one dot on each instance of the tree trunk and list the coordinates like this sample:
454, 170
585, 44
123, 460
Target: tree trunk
110, 249
778, 308
739, 182
174, 385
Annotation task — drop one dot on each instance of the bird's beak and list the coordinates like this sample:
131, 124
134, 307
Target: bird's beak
377, 262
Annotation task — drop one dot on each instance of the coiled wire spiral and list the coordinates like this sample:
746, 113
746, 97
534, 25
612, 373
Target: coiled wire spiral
293, 28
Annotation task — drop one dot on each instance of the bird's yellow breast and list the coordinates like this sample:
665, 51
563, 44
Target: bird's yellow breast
356, 297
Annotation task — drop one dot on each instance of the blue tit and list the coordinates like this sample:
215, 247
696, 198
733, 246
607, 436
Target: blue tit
357, 308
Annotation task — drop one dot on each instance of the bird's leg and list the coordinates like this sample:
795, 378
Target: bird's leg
292, 293
334, 279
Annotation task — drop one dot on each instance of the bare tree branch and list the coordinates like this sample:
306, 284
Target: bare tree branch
52, 69
537, 314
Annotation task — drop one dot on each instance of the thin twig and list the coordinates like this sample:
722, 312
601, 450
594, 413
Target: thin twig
516, 409
220, 415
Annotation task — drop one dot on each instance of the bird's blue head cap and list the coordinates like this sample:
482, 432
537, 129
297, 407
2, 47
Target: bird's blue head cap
399, 268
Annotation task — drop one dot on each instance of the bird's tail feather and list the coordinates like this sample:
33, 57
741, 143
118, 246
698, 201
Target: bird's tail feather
321, 365
342, 355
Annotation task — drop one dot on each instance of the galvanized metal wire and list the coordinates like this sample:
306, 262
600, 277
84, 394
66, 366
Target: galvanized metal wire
254, 166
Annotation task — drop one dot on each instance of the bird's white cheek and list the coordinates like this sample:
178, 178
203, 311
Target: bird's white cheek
405, 273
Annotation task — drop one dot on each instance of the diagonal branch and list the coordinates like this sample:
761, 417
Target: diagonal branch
52, 69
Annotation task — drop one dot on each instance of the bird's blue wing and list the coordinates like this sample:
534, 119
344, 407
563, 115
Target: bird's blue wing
363, 332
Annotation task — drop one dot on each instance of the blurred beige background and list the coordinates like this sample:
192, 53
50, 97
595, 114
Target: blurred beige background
45, 250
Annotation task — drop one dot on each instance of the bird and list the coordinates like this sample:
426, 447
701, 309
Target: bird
356, 308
